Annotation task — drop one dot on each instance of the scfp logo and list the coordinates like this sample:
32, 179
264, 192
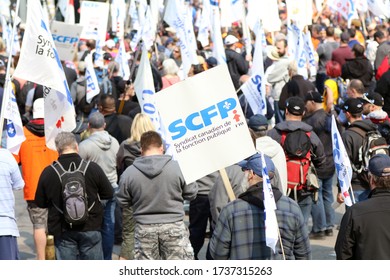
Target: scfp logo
64, 39
201, 119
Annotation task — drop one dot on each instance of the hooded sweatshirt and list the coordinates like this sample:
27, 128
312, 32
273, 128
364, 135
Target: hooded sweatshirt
155, 187
127, 153
101, 148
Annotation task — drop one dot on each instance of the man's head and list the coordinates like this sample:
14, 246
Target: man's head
344, 38
353, 108
96, 122
253, 169
355, 89
358, 50
313, 101
281, 46
292, 68
66, 143
379, 169
151, 143
379, 36
259, 124
230, 41
107, 105
376, 100
295, 108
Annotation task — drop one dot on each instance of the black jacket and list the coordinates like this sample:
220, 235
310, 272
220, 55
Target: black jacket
352, 142
297, 86
237, 66
118, 126
358, 68
49, 192
364, 230
321, 123
383, 88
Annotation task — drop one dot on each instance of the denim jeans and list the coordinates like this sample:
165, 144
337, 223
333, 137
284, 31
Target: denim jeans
305, 205
322, 212
76, 245
108, 228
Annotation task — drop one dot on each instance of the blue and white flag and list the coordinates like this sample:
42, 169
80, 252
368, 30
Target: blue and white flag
271, 222
123, 61
254, 88
175, 15
204, 23
118, 15
92, 85
342, 163
296, 47
379, 7
309, 49
15, 134
216, 37
144, 89
40, 64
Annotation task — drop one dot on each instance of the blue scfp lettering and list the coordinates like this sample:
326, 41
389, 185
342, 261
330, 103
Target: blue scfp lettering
257, 81
199, 120
64, 39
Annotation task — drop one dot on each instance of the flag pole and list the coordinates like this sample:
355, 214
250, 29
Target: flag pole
281, 244
7, 75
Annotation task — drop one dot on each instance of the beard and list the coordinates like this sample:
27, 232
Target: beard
244, 182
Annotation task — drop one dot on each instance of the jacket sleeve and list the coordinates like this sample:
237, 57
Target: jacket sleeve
345, 241
104, 186
190, 191
221, 239
302, 249
123, 197
318, 155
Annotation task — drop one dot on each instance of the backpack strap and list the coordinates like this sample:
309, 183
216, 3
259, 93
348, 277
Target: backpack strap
83, 166
359, 131
58, 168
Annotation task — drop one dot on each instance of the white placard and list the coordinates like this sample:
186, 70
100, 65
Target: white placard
66, 36
204, 119
94, 18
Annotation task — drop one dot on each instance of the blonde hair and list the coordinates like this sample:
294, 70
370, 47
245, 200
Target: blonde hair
141, 124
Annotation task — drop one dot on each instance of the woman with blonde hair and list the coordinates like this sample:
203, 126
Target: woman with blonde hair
128, 151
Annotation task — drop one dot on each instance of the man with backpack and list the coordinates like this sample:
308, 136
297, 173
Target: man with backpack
76, 233
359, 138
302, 148
378, 116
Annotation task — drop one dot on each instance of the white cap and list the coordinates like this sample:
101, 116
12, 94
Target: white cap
230, 40
39, 109
110, 44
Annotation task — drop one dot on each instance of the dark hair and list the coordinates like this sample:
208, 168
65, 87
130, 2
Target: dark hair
330, 31
379, 34
198, 68
358, 50
150, 139
352, 32
381, 182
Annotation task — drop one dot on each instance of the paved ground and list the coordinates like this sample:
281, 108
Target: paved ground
322, 249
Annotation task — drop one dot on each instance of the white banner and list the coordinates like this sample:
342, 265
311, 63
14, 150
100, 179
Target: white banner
342, 162
39, 63
15, 134
205, 123
300, 12
297, 48
94, 18
216, 37
66, 37
92, 85
123, 61
379, 7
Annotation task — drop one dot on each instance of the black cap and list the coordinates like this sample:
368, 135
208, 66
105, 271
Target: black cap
353, 106
376, 99
258, 123
313, 95
295, 105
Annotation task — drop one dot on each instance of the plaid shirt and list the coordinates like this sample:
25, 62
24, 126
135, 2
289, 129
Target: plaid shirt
240, 232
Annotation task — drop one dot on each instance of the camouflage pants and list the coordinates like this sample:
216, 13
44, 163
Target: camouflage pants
162, 241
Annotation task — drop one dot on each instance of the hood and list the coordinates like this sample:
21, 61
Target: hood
102, 139
377, 115
255, 195
151, 166
133, 147
365, 124
268, 146
293, 125
357, 66
36, 127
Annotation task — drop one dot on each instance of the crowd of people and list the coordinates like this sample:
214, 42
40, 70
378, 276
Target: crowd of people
136, 193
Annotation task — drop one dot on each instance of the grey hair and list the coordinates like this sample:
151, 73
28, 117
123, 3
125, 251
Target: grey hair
65, 140
96, 120
170, 67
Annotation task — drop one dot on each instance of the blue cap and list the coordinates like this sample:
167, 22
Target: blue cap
254, 163
379, 165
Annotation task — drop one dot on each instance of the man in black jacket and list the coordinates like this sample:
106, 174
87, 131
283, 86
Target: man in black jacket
236, 63
82, 241
364, 230
353, 141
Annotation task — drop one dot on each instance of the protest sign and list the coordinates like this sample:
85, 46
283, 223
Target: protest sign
94, 18
204, 120
66, 36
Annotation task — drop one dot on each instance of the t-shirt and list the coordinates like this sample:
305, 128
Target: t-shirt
332, 85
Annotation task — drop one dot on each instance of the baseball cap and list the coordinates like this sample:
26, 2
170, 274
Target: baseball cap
376, 99
295, 105
39, 109
254, 163
258, 122
230, 40
313, 95
212, 61
353, 105
379, 165
110, 44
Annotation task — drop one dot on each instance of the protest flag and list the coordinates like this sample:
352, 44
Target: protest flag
40, 64
92, 85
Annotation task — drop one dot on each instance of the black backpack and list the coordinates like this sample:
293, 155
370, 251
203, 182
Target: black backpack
74, 194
